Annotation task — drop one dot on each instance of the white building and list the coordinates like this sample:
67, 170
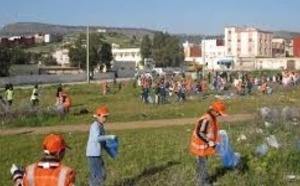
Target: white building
213, 52
62, 57
47, 38
127, 55
247, 42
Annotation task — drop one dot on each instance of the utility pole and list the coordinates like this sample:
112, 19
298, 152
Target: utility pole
203, 56
87, 55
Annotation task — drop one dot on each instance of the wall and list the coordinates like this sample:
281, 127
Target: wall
275, 63
296, 46
62, 78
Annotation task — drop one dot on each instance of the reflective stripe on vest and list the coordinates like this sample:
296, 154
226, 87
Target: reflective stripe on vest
200, 147
30, 174
62, 176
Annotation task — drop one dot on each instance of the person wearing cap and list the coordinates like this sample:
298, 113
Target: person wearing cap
205, 137
96, 142
49, 170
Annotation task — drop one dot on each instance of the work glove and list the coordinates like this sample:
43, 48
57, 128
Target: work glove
211, 144
13, 169
17, 173
112, 137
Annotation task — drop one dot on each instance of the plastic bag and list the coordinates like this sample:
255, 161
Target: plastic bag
111, 147
229, 158
272, 141
261, 149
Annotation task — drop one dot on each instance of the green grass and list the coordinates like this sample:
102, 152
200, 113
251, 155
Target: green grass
161, 156
126, 105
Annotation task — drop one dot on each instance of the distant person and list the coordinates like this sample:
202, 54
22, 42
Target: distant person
63, 102
105, 88
34, 96
96, 142
9, 91
49, 170
205, 137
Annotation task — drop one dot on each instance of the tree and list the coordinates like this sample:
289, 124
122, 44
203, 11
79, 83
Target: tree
5, 62
19, 56
99, 51
105, 55
146, 47
167, 51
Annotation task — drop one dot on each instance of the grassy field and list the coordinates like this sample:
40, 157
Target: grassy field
125, 105
161, 156
157, 156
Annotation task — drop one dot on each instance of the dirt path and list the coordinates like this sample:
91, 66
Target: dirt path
118, 125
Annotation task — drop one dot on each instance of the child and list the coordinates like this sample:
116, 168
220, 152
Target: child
96, 142
35, 96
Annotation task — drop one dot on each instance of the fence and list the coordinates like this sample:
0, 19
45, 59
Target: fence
60, 78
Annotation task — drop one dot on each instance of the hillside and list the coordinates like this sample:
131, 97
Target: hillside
30, 28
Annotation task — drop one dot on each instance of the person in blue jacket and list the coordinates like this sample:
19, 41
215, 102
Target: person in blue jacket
96, 142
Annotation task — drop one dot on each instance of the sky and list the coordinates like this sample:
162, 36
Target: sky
173, 16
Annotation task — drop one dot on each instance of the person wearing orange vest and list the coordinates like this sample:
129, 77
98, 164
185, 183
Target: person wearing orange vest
49, 170
63, 102
205, 137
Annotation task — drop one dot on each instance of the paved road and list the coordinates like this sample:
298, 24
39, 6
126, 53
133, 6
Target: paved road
119, 125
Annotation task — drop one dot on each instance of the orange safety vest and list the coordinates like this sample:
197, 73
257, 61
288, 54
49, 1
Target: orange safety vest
48, 174
200, 147
66, 101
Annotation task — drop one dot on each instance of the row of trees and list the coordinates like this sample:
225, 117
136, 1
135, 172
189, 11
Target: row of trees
165, 49
100, 54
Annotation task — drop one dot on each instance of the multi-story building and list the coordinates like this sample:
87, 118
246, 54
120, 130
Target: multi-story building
247, 42
214, 55
127, 55
192, 53
191, 49
278, 47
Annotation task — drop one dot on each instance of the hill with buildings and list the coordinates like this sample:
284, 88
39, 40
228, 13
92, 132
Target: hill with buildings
30, 28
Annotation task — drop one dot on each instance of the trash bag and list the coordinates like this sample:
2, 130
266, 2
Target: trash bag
272, 141
266, 114
261, 150
229, 158
150, 99
112, 147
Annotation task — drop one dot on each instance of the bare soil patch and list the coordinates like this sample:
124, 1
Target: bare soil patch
119, 125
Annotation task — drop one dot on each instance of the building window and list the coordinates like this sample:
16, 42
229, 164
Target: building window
229, 40
250, 40
239, 40
238, 49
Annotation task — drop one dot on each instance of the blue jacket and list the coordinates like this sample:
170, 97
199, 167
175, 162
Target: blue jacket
97, 139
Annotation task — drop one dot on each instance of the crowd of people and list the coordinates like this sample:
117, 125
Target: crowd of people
164, 88
205, 137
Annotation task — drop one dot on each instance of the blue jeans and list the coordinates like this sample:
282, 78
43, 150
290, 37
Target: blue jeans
201, 172
97, 171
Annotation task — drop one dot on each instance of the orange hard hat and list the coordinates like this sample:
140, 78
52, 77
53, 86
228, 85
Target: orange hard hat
102, 111
54, 143
219, 106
